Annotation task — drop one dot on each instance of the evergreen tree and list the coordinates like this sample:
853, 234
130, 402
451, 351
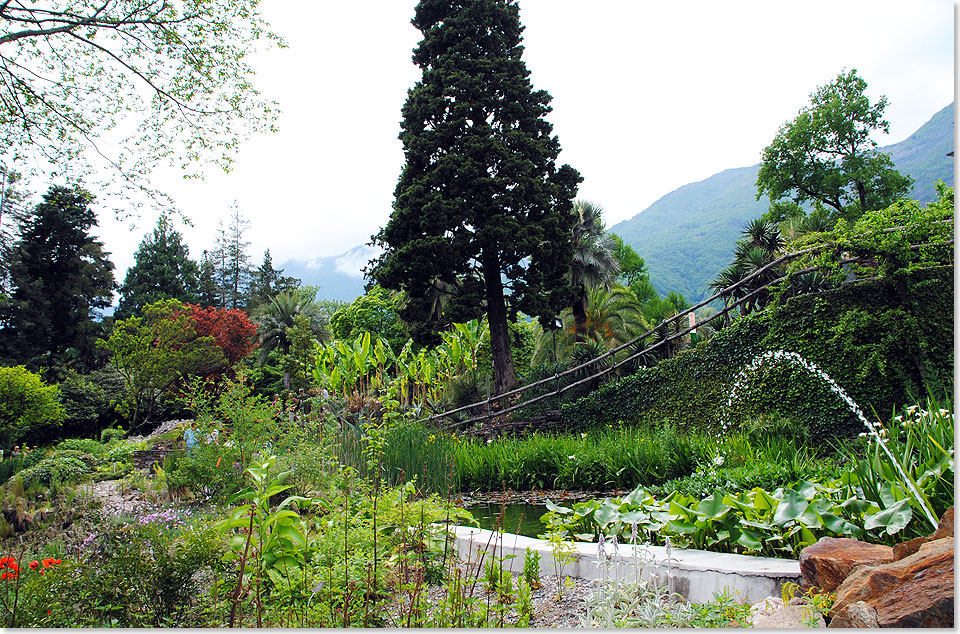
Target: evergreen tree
266, 282
480, 207
59, 275
233, 273
162, 269
208, 291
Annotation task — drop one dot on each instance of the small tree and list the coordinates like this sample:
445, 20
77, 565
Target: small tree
826, 155
27, 405
155, 351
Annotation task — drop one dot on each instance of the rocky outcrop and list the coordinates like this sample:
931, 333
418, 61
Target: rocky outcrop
827, 563
916, 591
909, 585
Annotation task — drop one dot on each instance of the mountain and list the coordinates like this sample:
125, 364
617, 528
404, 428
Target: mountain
687, 236
339, 277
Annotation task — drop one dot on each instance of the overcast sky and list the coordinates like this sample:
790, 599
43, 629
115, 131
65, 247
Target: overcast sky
647, 96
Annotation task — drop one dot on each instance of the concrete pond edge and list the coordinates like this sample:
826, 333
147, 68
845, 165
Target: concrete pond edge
694, 574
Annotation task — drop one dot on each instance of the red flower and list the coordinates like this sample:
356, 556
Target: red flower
8, 575
34, 564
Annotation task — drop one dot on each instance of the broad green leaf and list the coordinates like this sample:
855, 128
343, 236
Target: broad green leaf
605, 514
712, 507
892, 519
750, 540
858, 506
682, 527
806, 489
563, 510
763, 501
634, 516
791, 507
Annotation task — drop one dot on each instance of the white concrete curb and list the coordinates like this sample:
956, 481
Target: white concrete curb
695, 574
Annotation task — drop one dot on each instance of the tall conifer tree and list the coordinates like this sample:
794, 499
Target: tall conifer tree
162, 269
233, 273
60, 274
481, 206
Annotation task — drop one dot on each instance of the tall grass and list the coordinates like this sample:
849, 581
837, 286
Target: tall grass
602, 458
599, 459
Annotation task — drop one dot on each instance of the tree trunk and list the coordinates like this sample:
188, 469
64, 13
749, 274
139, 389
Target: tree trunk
579, 309
504, 378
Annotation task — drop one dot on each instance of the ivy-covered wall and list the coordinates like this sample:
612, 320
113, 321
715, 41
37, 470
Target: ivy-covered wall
883, 341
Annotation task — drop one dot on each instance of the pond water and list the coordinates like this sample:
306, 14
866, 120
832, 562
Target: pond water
515, 517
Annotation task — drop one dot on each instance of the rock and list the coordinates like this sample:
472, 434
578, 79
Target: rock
905, 549
798, 601
916, 591
791, 617
828, 562
765, 607
945, 529
857, 614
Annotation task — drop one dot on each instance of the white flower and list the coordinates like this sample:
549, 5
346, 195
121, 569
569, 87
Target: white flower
718, 461
573, 457
583, 435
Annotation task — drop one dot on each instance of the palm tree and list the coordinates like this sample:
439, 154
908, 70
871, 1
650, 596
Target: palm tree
594, 263
760, 246
278, 316
611, 318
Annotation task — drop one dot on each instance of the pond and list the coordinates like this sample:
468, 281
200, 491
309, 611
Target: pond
516, 517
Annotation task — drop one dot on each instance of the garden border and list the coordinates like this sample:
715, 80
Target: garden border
695, 574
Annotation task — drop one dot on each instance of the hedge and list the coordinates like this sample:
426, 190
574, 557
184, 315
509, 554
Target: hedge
883, 341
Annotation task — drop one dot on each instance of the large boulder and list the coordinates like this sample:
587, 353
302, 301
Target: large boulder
828, 562
916, 591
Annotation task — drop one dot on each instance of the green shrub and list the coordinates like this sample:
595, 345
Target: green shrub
880, 340
85, 445
29, 408
111, 433
60, 467
90, 400
207, 471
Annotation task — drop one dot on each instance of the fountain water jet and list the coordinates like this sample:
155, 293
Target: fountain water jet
777, 356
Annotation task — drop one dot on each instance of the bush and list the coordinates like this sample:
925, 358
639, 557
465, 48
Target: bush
207, 471
141, 574
85, 445
60, 467
111, 433
90, 400
29, 408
